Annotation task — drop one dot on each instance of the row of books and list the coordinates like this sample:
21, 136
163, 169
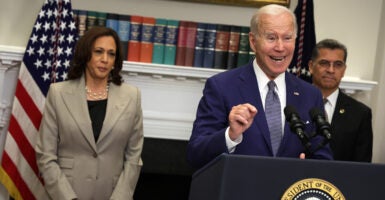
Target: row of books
173, 42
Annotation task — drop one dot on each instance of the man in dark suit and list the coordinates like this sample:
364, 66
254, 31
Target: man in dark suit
231, 116
351, 120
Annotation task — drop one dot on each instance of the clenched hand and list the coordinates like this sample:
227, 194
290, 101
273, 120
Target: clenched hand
241, 117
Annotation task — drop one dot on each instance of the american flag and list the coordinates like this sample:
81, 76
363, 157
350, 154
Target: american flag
46, 60
305, 41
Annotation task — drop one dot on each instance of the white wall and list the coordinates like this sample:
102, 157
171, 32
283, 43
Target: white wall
356, 23
379, 97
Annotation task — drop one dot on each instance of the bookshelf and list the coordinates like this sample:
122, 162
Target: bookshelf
171, 41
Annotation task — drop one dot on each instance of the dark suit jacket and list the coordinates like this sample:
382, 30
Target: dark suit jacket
352, 138
238, 86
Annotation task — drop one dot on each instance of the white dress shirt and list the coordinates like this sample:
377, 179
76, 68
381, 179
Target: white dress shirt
330, 105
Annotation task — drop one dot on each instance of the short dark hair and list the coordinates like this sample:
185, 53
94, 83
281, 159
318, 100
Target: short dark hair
83, 54
328, 44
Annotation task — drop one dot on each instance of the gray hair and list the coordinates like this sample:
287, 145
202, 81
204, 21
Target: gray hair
271, 9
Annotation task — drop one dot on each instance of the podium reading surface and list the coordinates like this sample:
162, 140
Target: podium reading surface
241, 177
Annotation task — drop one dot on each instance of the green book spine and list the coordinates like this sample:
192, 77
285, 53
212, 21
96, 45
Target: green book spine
101, 18
82, 22
91, 19
170, 42
159, 40
244, 47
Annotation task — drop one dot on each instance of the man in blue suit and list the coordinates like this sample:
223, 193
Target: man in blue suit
231, 115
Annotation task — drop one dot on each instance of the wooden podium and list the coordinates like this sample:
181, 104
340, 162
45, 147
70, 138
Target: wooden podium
240, 177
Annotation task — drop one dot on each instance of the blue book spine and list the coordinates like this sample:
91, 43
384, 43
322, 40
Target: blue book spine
170, 43
124, 27
199, 45
112, 22
147, 35
209, 46
159, 41
124, 33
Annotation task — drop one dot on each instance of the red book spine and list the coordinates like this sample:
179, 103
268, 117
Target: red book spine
233, 47
135, 36
190, 43
180, 56
221, 46
147, 39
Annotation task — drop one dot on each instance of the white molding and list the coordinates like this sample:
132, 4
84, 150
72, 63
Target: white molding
11, 55
352, 85
10, 59
5, 113
170, 94
169, 70
166, 125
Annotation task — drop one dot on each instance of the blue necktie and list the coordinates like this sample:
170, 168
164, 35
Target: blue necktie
273, 117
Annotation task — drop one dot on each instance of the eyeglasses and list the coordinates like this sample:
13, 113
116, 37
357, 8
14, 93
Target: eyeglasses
336, 64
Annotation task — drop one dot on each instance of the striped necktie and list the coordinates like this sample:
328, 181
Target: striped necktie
273, 116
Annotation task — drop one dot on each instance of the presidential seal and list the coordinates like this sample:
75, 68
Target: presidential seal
312, 189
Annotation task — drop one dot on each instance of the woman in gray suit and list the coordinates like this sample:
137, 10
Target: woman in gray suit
91, 135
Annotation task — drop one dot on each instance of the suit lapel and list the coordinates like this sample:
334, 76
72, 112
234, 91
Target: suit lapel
340, 109
293, 96
117, 101
248, 82
75, 100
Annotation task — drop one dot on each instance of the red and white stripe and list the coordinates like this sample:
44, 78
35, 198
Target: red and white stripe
301, 37
19, 171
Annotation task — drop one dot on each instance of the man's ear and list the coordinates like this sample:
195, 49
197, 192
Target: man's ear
310, 65
252, 41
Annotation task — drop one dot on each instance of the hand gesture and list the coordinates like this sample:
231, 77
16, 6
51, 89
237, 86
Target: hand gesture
240, 118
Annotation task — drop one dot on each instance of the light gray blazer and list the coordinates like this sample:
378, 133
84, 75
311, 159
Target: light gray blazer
71, 163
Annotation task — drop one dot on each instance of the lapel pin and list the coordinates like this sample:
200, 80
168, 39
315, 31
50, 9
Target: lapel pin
342, 111
296, 93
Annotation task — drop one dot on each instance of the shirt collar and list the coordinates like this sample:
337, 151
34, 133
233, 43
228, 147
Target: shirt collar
332, 98
263, 79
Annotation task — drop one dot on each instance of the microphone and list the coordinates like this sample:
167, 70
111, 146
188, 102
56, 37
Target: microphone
323, 127
296, 125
